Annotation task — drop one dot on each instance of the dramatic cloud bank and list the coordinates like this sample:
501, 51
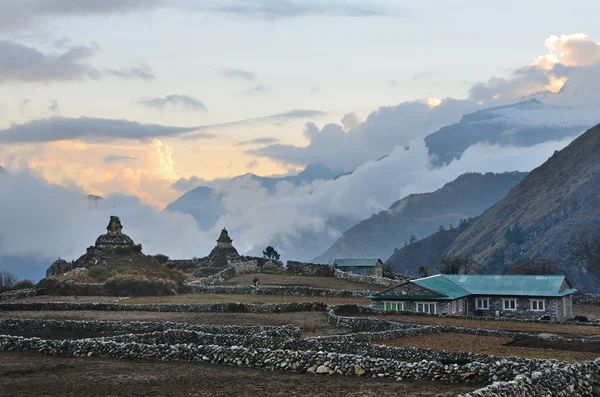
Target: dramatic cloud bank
385, 128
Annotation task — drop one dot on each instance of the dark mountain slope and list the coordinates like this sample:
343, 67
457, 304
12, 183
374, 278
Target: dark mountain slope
422, 214
554, 201
426, 252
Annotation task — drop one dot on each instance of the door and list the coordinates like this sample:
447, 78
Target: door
361, 270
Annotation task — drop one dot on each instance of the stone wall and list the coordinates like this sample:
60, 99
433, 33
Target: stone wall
310, 269
366, 279
18, 294
586, 299
274, 290
235, 269
522, 308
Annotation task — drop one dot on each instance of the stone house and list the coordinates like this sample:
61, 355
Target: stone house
513, 296
368, 266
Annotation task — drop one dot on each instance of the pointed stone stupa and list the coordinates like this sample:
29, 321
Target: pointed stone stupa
114, 237
224, 251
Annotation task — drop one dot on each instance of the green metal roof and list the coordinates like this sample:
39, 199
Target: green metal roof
516, 285
456, 286
354, 262
442, 285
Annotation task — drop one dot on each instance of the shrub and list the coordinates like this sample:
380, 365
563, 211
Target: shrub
100, 273
24, 284
161, 258
123, 285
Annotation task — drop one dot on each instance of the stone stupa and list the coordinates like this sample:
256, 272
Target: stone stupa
224, 251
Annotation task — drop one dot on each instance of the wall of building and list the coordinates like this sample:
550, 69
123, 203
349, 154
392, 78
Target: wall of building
522, 308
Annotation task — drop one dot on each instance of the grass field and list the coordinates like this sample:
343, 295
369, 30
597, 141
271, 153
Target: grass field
499, 346
572, 331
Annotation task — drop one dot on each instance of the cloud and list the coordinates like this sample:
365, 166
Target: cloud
256, 218
90, 130
350, 120
21, 63
141, 72
16, 15
27, 64
238, 74
34, 223
187, 184
258, 90
285, 9
568, 56
258, 141
385, 128
116, 159
184, 101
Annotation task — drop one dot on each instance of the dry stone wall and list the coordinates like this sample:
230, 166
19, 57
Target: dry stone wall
275, 290
310, 269
366, 279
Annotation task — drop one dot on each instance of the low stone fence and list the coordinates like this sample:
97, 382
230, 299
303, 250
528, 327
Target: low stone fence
269, 359
586, 299
275, 290
146, 327
310, 269
18, 294
230, 307
234, 270
366, 279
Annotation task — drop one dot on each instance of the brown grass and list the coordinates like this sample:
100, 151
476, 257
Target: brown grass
592, 312
486, 345
242, 298
564, 330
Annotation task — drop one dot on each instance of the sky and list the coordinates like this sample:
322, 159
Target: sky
250, 73
132, 99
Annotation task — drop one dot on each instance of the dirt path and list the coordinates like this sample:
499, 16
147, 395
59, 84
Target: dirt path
25, 374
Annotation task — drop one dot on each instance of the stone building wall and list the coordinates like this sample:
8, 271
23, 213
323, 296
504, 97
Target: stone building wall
522, 309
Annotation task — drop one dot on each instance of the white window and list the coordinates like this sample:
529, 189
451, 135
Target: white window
482, 303
509, 304
537, 305
423, 307
394, 306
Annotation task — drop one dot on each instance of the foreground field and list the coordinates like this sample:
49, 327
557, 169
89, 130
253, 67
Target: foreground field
311, 323
25, 374
304, 281
572, 331
529, 348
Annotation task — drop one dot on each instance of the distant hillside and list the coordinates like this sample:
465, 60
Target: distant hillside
553, 202
204, 203
521, 124
422, 214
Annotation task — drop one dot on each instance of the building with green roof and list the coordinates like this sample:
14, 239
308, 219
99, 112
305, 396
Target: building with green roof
518, 296
368, 266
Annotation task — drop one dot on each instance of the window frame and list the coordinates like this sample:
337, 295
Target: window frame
396, 305
538, 301
508, 300
428, 305
486, 300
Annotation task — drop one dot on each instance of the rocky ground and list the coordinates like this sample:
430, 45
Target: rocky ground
28, 374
